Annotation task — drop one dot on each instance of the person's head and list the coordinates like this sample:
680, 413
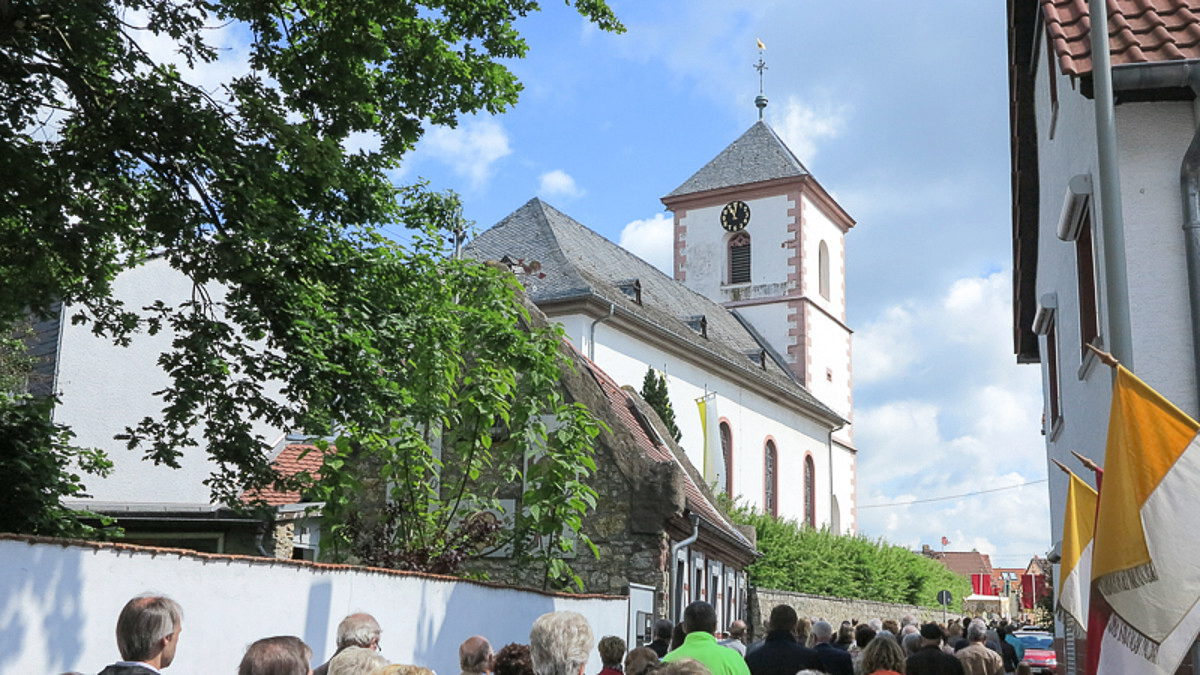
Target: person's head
909, 620
402, 669
954, 630
683, 667
358, 630
512, 659
882, 653
877, 624
931, 634
612, 651
977, 631
662, 629
699, 616
678, 635
641, 661
356, 660
845, 634
783, 617
1023, 668
863, 634
559, 644
280, 655
822, 631
737, 630
475, 655
891, 626
148, 629
803, 629
911, 642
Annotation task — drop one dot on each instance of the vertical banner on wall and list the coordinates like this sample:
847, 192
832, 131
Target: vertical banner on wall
714, 458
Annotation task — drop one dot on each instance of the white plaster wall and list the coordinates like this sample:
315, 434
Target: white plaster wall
752, 418
105, 388
59, 604
818, 227
705, 267
830, 351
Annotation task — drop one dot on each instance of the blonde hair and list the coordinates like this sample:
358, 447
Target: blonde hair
402, 669
559, 643
882, 654
356, 661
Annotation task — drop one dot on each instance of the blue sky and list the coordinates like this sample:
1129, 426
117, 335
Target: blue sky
900, 110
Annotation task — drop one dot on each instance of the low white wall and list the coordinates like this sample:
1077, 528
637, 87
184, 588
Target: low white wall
59, 602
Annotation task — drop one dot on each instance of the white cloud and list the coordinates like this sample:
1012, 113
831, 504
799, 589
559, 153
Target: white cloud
652, 240
943, 409
802, 127
471, 149
558, 183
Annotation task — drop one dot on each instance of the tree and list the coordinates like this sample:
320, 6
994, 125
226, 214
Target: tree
302, 312
654, 392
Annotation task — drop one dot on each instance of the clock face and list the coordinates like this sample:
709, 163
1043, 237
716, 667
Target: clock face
735, 216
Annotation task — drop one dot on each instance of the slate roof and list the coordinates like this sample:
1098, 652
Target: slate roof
655, 447
758, 155
1140, 31
565, 260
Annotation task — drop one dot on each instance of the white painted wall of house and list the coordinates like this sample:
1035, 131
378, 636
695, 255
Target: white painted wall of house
59, 604
105, 388
1152, 139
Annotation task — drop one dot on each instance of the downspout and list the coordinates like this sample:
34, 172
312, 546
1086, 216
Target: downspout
612, 308
832, 497
673, 602
1116, 281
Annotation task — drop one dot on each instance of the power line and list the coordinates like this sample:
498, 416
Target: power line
965, 494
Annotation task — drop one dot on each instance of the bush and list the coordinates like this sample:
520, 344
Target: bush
806, 560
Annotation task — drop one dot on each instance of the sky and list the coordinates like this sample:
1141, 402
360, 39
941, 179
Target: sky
900, 111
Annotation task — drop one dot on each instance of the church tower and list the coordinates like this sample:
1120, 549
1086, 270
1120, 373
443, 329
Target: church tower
755, 232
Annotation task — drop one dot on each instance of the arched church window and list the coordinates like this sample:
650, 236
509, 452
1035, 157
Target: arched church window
727, 452
739, 258
810, 492
770, 480
823, 268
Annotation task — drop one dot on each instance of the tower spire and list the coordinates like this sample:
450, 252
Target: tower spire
760, 101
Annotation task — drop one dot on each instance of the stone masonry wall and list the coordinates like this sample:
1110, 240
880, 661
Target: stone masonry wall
833, 610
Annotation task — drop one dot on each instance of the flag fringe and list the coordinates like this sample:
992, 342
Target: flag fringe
1066, 617
1132, 638
1127, 580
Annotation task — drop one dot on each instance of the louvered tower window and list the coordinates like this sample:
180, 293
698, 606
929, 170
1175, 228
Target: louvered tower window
739, 258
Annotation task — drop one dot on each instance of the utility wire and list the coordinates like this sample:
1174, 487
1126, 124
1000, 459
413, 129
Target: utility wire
965, 494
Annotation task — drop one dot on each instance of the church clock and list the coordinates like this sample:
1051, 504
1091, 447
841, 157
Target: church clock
735, 216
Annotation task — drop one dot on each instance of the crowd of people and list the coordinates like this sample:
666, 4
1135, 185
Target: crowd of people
561, 643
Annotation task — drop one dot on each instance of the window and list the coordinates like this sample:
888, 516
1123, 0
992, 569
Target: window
1052, 375
810, 492
770, 480
739, 258
823, 268
1085, 272
1045, 323
727, 452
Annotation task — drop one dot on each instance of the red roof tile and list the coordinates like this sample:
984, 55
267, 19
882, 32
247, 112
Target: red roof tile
1139, 31
291, 460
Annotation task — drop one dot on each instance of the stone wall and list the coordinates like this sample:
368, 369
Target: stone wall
833, 610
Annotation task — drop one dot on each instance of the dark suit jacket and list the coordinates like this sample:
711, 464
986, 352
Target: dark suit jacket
933, 661
115, 669
837, 662
780, 654
660, 647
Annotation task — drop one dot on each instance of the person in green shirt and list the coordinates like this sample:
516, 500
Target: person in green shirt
700, 623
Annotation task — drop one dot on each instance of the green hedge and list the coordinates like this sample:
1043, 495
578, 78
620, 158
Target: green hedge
801, 559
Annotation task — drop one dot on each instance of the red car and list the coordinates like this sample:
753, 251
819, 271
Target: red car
1039, 651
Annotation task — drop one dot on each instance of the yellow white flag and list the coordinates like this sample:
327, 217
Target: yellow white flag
1075, 573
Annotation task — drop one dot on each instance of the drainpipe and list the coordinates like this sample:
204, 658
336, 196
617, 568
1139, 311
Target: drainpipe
1116, 280
673, 602
612, 308
832, 498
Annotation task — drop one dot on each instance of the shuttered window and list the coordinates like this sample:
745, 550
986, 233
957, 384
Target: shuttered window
739, 258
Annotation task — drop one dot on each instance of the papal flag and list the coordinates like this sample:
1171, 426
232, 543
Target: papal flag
714, 455
1146, 555
1075, 573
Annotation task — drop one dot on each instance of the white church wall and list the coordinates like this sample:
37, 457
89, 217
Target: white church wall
59, 603
705, 239
104, 388
829, 364
817, 228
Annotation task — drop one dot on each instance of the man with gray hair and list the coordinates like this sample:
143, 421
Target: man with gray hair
356, 630
560, 643
147, 635
475, 656
737, 637
836, 661
976, 658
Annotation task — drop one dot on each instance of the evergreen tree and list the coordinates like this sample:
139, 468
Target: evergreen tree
654, 391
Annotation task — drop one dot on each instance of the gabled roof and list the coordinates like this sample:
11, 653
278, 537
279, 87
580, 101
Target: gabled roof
964, 563
758, 155
1139, 31
290, 461
563, 260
